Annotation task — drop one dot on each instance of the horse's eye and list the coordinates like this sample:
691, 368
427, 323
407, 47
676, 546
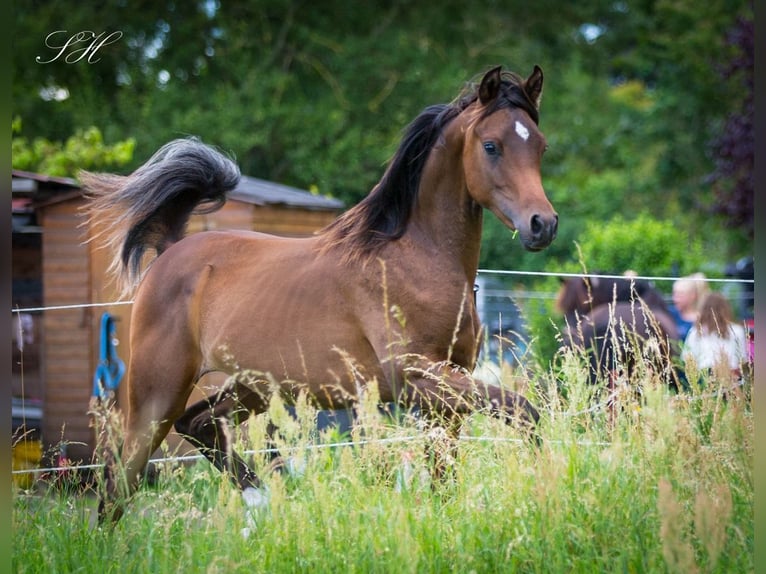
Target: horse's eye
490, 148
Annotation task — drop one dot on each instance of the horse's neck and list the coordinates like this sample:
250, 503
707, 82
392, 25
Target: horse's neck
446, 221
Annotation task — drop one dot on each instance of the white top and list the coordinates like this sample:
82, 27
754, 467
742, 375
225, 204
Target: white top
708, 349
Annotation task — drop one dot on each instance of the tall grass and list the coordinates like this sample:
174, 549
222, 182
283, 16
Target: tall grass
660, 483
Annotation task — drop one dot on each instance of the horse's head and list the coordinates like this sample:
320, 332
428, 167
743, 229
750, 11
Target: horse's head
583, 294
575, 297
502, 152
580, 295
626, 289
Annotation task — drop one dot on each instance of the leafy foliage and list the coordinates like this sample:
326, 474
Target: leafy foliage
84, 150
643, 244
317, 95
734, 148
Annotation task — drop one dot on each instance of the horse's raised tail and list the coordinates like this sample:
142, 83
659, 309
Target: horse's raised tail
149, 208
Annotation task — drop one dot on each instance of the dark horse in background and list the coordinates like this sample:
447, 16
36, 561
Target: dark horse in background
383, 294
623, 324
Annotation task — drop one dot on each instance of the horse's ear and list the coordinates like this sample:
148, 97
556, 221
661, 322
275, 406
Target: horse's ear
490, 85
534, 86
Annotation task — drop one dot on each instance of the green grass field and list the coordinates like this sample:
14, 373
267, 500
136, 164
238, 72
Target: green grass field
660, 484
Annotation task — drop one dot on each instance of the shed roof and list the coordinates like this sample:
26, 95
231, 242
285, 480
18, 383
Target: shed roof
249, 190
262, 192
21, 179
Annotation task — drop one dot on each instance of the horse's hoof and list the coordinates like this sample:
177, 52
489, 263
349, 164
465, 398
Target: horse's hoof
292, 466
255, 498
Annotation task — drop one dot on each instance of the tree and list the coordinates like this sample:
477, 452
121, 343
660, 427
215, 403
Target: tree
672, 47
734, 148
316, 95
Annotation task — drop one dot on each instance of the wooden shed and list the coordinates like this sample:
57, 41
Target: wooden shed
72, 272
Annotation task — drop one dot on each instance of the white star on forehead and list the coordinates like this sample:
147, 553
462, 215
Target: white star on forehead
522, 130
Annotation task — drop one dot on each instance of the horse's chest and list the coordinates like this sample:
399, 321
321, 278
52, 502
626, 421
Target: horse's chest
442, 329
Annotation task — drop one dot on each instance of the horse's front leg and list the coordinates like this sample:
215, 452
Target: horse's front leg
446, 393
450, 391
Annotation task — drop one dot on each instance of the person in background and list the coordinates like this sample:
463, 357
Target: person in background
716, 343
688, 294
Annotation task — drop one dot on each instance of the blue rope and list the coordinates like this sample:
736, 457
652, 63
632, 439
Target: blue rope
111, 368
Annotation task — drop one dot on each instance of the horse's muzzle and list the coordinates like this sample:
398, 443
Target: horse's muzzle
542, 232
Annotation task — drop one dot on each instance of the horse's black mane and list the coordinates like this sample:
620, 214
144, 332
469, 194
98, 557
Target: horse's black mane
383, 215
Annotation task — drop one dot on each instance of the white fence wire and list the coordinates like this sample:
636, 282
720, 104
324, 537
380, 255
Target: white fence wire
652, 278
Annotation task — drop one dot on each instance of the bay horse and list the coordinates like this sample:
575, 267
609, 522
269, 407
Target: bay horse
382, 294
615, 320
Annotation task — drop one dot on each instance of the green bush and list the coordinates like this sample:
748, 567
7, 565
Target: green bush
83, 150
644, 244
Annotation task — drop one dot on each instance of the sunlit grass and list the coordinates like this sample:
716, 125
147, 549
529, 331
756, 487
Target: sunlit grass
660, 483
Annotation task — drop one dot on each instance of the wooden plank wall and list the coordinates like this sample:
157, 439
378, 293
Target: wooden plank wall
233, 215
67, 334
290, 222
274, 219
75, 272
277, 220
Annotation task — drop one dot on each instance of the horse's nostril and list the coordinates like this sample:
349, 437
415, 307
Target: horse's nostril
542, 228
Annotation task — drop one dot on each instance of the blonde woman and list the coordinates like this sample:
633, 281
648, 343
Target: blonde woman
688, 294
716, 343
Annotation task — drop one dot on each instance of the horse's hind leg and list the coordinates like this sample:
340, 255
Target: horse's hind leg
207, 424
155, 400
